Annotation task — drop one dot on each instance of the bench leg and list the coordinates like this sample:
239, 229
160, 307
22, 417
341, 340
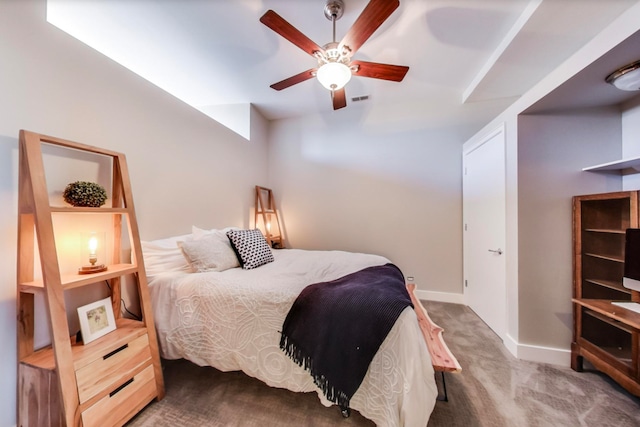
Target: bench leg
345, 411
443, 397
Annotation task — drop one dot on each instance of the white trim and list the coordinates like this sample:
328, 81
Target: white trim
440, 296
515, 30
511, 345
538, 354
477, 142
615, 33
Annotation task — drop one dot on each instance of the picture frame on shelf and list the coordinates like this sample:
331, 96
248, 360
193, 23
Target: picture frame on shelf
96, 320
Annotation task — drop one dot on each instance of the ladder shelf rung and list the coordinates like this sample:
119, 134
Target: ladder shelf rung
69, 209
70, 281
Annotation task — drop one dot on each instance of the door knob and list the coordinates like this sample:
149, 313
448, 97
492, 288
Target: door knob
496, 251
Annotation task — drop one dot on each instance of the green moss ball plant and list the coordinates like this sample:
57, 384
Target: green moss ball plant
85, 194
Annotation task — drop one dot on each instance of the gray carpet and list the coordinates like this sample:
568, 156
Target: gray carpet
494, 389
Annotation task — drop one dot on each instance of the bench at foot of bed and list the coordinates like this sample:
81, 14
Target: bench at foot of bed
441, 357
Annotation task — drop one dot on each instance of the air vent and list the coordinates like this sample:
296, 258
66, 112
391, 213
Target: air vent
360, 98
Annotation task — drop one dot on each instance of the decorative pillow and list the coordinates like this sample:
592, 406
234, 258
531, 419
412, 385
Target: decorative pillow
211, 252
164, 255
251, 247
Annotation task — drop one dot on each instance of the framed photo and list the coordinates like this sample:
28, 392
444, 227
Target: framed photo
96, 320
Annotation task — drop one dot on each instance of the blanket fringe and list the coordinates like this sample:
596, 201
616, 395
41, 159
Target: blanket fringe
297, 355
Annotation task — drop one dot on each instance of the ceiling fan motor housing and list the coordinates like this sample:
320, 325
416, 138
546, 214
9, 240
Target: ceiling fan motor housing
334, 8
333, 53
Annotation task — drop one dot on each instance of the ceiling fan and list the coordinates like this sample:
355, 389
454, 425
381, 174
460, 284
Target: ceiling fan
335, 66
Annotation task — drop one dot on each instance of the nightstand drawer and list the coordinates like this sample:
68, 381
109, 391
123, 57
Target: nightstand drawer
113, 368
118, 406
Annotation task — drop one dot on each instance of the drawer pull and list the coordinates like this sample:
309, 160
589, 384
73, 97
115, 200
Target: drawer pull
117, 350
120, 388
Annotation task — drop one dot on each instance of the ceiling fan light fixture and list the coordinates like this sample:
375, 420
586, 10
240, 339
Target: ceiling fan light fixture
626, 78
335, 67
333, 75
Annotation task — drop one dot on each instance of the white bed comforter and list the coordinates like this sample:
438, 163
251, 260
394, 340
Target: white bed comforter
231, 320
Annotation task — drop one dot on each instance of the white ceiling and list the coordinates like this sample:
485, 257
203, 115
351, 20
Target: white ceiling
462, 54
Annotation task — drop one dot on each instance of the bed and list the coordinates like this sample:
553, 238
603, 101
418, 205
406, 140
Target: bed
232, 320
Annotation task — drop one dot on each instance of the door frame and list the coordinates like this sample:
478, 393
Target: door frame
499, 130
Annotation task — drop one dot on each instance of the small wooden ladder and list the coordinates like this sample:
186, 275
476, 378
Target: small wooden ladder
266, 210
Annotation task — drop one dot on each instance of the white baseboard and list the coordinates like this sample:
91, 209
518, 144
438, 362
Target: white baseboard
440, 296
511, 345
554, 356
537, 353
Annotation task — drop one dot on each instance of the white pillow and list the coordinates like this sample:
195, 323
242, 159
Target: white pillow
211, 252
198, 233
164, 255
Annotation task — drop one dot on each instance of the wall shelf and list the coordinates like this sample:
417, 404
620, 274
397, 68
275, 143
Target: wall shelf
618, 165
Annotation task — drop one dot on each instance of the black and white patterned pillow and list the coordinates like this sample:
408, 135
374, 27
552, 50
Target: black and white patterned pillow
251, 248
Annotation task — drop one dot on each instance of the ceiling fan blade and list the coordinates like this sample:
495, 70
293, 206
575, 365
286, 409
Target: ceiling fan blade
298, 78
278, 24
339, 99
373, 15
394, 73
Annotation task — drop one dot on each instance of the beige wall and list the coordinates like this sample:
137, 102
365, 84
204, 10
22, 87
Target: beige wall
340, 182
631, 140
552, 150
343, 184
185, 168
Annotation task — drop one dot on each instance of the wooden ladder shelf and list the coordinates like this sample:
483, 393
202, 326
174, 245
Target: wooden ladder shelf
267, 215
109, 380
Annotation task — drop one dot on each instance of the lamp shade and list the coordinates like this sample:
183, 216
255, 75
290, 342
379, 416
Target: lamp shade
333, 75
626, 78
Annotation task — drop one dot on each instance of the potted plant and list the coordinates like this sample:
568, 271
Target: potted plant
85, 194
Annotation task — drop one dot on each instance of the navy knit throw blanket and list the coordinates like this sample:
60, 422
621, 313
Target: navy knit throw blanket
334, 329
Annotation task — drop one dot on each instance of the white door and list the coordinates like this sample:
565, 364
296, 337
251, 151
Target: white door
484, 204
